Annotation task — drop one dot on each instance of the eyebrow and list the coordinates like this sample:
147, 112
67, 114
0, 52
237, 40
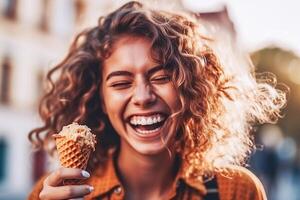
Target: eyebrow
127, 73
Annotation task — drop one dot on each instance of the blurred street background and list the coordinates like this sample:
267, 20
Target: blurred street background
35, 35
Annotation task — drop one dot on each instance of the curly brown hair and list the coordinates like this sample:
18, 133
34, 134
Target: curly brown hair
217, 109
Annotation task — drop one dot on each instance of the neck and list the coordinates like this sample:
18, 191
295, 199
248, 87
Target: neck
146, 175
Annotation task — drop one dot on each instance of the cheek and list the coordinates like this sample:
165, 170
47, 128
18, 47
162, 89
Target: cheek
110, 99
114, 105
113, 112
175, 101
170, 96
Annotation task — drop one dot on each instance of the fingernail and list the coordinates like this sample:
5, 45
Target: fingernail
91, 188
85, 174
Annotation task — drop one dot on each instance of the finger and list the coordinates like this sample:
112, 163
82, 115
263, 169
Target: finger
66, 192
56, 178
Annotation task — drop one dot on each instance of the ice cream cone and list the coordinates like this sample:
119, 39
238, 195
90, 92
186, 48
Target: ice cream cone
74, 145
71, 155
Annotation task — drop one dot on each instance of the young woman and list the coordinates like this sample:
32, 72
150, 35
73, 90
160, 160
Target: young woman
170, 120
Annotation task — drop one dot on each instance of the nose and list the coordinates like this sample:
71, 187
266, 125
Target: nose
143, 95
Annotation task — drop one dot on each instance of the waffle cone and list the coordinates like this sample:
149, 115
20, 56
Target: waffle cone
72, 155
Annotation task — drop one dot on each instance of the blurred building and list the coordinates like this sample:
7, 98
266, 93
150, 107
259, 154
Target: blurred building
34, 35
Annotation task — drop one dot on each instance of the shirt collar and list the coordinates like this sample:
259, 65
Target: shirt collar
194, 183
105, 179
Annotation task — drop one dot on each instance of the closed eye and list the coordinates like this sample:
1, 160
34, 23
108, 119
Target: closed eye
121, 85
161, 79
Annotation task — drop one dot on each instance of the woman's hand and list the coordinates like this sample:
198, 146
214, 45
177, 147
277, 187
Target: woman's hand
53, 187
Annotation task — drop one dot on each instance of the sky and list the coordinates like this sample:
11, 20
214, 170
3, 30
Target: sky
260, 23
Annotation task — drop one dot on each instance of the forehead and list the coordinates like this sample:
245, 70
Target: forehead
129, 52
131, 46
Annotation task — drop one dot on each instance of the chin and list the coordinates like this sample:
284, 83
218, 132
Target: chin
153, 148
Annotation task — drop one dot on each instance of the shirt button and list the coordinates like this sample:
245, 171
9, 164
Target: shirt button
118, 190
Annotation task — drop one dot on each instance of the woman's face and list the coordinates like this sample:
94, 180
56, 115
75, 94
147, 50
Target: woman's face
138, 97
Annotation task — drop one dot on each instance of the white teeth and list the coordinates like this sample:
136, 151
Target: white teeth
146, 120
133, 120
149, 121
155, 120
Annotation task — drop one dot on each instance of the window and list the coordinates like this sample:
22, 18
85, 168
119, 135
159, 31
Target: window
5, 81
3, 159
10, 9
79, 10
39, 159
44, 24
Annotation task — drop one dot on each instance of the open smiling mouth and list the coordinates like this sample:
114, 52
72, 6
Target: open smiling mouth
147, 124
